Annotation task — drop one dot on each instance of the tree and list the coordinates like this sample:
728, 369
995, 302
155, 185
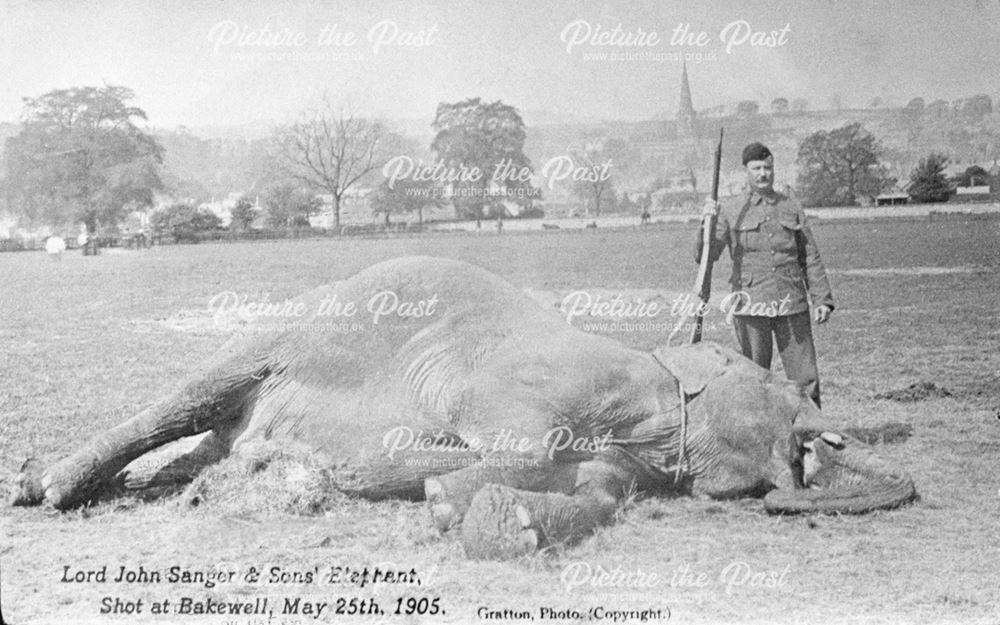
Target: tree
288, 205
912, 116
938, 109
333, 151
960, 141
928, 182
405, 196
184, 222
596, 191
80, 157
984, 144
976, 107
627, 205
800, 105
839, 166
915, 107
746, 108
485, 141
243, 214
973, 176
594, 184
779, 106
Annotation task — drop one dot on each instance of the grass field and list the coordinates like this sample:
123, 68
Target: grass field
85, 343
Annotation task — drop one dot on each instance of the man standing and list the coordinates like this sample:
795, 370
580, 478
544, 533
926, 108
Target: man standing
776, 272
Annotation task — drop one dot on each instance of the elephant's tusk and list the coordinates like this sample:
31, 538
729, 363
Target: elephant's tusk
834, 440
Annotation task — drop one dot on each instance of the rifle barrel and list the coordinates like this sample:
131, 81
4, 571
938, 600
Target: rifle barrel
703, 283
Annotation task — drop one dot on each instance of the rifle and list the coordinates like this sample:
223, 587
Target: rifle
703, 283
703, 286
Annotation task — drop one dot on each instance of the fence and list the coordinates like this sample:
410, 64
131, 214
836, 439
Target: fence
226, 236
925, 213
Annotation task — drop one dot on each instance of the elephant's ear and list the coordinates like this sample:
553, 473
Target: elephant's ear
694, 366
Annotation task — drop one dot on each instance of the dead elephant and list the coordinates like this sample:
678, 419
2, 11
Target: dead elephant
458, 388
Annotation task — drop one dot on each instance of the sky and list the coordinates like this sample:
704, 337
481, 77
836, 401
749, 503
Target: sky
212, 63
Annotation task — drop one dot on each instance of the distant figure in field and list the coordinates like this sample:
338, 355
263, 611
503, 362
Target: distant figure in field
644, 217
87, 245
137, 241
54, 247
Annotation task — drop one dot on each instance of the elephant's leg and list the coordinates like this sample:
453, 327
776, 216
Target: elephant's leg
504, 522
174, 465
202, 405
449, 495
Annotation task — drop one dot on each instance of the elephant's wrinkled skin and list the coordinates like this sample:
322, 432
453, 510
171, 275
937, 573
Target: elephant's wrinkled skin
529, 431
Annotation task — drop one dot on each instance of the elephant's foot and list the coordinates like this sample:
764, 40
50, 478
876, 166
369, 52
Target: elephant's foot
498, 527
446, 514
71, 482
28, 489
58, 486
445, 517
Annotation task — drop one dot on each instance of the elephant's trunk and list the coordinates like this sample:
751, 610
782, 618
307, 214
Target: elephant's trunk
844, 478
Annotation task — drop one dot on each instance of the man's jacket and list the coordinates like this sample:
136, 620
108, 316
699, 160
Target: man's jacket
776, 264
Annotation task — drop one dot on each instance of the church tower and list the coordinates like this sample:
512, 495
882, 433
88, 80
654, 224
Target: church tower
686, 127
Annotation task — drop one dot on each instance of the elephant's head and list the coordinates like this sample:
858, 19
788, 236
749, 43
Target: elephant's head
829, 473
836, 474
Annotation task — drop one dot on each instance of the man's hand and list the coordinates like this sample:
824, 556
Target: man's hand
822, 314
711, 207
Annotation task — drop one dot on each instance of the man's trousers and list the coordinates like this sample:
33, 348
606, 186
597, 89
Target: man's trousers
793, 335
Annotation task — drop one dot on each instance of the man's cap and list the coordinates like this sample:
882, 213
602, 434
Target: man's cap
755, 152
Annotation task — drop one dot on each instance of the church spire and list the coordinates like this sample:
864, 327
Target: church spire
685, 111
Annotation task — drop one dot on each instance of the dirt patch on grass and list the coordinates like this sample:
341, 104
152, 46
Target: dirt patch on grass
194, 321
883, 272
887, 433
918, 391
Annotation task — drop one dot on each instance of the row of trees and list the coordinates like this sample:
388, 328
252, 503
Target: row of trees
334, 152
81, 157
973, 108
839, 167
283, 206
